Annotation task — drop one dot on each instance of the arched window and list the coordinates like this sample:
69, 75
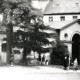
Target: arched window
65, 35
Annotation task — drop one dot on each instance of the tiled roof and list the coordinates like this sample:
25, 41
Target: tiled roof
58, 24
62, 24
75, 21
62, 6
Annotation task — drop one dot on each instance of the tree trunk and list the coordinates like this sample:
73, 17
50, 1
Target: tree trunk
26, 51
9, 42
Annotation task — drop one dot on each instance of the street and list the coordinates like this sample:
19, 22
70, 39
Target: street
37, 73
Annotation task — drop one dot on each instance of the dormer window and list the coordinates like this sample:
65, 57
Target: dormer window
77, 3
74, 17
50, 19
62, 18
57, 3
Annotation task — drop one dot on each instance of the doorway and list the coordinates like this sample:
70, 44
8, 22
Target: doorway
76, 47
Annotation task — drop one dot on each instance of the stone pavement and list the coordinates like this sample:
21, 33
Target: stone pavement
37, 73
37, 69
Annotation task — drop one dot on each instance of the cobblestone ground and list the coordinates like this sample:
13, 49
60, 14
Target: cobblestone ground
37, 73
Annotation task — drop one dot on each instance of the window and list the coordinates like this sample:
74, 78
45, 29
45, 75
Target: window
62, 18
4, 46
58, 31
65, 35
50, 19
74, 17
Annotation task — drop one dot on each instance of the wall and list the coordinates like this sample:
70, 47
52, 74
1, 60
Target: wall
57, 17
75, 28
1, 17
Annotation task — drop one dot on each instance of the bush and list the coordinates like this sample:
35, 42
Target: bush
57, 54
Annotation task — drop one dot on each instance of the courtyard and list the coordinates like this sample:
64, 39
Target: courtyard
16, 72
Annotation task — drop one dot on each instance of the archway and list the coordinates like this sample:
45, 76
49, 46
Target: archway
76, 47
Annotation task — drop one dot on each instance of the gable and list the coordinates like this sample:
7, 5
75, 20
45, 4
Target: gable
73, 27
58, 24
70, 24
70, 29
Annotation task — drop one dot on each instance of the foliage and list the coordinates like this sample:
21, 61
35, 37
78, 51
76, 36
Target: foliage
58, 53
30, 35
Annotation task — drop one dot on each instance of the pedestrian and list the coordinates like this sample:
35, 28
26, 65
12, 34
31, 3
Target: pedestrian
75, 65
66, 63
39, 58
12, 59
43, 60
47, 62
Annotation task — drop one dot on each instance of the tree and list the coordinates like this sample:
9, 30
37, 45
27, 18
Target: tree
34, 40
58, 53
31, 35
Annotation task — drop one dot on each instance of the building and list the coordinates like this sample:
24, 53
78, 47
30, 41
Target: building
2, 41
64, 16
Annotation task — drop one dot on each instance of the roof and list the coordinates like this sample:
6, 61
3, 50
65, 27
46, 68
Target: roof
62, 24
66, 26
58, 24
62, 6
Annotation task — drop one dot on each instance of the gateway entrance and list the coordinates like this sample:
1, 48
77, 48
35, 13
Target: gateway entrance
76, 47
